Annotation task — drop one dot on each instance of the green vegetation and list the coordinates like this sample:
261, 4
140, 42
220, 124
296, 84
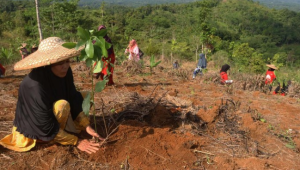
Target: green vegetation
132, 3
242, 33
153, 64
5, 54
277, 4
284, 135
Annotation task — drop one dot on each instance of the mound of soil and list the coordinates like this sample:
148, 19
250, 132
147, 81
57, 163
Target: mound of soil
167, 121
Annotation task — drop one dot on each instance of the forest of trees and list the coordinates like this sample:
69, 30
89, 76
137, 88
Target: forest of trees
276, 4
132, 3
241, 32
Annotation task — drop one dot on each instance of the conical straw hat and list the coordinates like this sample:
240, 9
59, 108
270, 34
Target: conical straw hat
50, 51
271, 66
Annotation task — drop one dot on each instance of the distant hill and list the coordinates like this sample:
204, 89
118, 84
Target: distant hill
277, 4
134, 3
280, 4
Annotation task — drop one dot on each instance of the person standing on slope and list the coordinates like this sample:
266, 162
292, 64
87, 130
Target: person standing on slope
270, 75
200, 66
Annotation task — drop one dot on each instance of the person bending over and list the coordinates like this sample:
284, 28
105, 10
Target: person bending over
49, 108
224, 76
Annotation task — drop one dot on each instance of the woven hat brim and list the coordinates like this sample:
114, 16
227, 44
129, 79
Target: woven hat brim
39, 59
271, 66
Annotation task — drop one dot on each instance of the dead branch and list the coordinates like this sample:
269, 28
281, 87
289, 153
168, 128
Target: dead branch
107, 137
103, 117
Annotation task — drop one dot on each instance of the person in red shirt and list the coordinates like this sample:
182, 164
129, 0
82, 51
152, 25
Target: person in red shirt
2, 71
270, 75
107, 61
224, 76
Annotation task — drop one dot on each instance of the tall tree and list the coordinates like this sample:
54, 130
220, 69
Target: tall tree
38, 19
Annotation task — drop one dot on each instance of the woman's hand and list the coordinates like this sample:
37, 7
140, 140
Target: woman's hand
92, 132
87, 146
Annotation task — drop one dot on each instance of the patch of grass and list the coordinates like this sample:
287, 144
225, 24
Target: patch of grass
287, 137
208, 160
284, 136
263, 120
192, 91
291, 144
271, 127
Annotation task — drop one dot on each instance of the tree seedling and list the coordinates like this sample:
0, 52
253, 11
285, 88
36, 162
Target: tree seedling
263, 120
192, 91
95, 47
153, 63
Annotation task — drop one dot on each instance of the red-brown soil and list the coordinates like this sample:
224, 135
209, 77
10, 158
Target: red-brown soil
167, 121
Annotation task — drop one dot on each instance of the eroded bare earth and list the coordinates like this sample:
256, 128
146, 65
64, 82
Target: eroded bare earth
167, 121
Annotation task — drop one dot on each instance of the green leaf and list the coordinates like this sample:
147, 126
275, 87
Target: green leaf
151, 60
69, 45
100, 85
89, 62
101, 43
107, 45
156, 63
291, 146
108, 72
83, 55
79, 44
5, 53
86, 104
91, 31
99, 66
101, 33
97, 52
83, 34
82, 58
89, 49
263, 120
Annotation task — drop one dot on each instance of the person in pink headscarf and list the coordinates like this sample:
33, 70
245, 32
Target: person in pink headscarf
133, 51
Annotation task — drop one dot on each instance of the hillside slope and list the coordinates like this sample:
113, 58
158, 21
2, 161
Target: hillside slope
167, 121
278, 4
